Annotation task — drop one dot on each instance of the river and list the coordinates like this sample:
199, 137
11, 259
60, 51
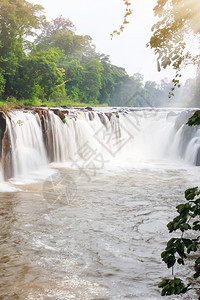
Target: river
95, 233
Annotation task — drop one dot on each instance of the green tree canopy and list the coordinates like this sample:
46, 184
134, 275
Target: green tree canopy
178, 19
18, 19
39, 74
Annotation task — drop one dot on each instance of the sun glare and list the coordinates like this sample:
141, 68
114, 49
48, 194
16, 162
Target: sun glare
189, 10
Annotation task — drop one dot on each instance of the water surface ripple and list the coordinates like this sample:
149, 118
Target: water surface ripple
104, 244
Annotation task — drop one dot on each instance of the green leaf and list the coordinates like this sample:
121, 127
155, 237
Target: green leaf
196, 275
197, 261
192, 247
163, 283
185, 226
191, 193
171, 261
194, 119
163, 254
196, 227
197, 201
180, 261
180, 208
170, 242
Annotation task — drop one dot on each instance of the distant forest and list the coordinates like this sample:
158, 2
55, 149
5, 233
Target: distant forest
48, 63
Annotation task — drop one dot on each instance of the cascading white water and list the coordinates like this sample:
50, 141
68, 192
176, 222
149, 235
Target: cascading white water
28, 151
133, 136
148, 133
71, 139
93, 139
193, 148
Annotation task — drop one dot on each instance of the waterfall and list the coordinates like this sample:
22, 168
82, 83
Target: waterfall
28, 151
93, 139
192, 154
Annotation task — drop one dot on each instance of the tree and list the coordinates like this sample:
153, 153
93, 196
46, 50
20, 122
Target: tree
74, 75
40, 74
129, 90
2, 82
59, 24
107, 83
61, 33
92, 81
151, 90
179, 18
18, 20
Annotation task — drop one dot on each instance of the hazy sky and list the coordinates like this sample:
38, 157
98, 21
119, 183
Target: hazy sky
98, 18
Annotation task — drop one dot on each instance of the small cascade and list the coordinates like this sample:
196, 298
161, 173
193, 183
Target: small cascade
149, 135
90, 139
79, 134
174, 146
28, 151
6, 147
192, 154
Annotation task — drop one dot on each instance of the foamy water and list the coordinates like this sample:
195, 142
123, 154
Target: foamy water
92, 224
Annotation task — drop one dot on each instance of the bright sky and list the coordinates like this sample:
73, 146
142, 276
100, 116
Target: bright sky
98, 18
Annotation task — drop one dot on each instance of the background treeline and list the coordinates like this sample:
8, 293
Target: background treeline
48, 63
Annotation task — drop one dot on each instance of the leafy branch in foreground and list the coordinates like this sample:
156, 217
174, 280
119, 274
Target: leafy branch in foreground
194, 119
178, 249
177, 26
176, 83
128, 12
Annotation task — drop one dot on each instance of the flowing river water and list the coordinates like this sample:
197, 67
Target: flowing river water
78, 230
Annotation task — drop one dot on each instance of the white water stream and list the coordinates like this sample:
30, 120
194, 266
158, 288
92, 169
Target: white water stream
92, 224
91, 139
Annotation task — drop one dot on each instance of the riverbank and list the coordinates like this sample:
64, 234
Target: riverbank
12, 103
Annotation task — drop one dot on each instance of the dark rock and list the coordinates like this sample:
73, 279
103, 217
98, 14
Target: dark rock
91, 115
39, 111
19, 107
108, 115
102, 118
89, 108
2, 124
59, 113
65, 111
48, 135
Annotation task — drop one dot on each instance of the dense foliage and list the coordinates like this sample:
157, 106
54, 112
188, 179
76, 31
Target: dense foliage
61, 67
